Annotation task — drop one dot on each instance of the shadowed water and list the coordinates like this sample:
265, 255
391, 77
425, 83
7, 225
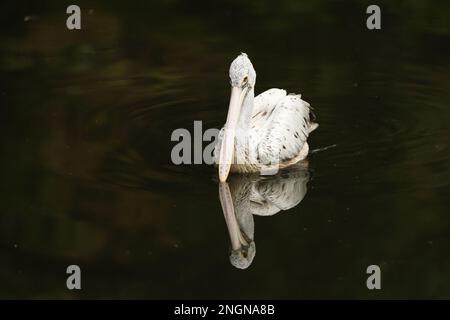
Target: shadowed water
87, 179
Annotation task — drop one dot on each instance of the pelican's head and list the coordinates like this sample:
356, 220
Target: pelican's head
242, 79
242, 73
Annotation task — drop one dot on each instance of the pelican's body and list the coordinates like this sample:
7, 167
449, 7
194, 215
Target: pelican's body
264, 132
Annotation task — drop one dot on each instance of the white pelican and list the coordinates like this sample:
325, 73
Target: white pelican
247, 195
264, 132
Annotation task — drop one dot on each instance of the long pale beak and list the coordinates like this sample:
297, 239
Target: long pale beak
227, 148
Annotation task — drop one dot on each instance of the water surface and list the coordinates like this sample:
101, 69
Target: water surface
87, 179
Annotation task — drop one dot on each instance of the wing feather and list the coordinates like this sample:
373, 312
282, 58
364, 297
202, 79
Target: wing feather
285, 131
264, 104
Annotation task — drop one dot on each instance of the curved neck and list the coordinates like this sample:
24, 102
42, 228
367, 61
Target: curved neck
246, 111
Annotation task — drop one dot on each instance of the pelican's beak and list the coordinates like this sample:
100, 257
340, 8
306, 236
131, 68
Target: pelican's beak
227, 148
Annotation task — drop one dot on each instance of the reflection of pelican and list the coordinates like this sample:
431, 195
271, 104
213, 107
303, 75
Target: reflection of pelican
245, 196
261, 133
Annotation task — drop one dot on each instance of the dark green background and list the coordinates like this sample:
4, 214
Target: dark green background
86, 177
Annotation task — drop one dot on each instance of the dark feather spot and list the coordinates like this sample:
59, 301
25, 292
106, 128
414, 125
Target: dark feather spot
256, 114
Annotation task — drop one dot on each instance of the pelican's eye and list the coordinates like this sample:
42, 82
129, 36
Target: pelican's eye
245, 81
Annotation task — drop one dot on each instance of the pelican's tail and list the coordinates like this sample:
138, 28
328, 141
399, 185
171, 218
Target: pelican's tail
312, 126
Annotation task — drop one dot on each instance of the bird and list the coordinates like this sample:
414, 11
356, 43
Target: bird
263, 133
244, 196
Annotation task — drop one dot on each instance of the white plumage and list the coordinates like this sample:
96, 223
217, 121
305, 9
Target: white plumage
262, 133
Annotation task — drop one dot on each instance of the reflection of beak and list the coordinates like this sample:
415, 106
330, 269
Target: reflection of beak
236, 237
227, 148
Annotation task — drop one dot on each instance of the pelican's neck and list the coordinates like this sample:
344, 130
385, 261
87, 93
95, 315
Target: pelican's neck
246, 113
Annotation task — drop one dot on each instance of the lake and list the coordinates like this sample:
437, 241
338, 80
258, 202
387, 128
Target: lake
87, 177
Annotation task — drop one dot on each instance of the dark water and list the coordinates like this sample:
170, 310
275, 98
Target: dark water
86, 119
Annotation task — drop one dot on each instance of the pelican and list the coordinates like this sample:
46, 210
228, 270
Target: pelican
262, 133
247, 195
